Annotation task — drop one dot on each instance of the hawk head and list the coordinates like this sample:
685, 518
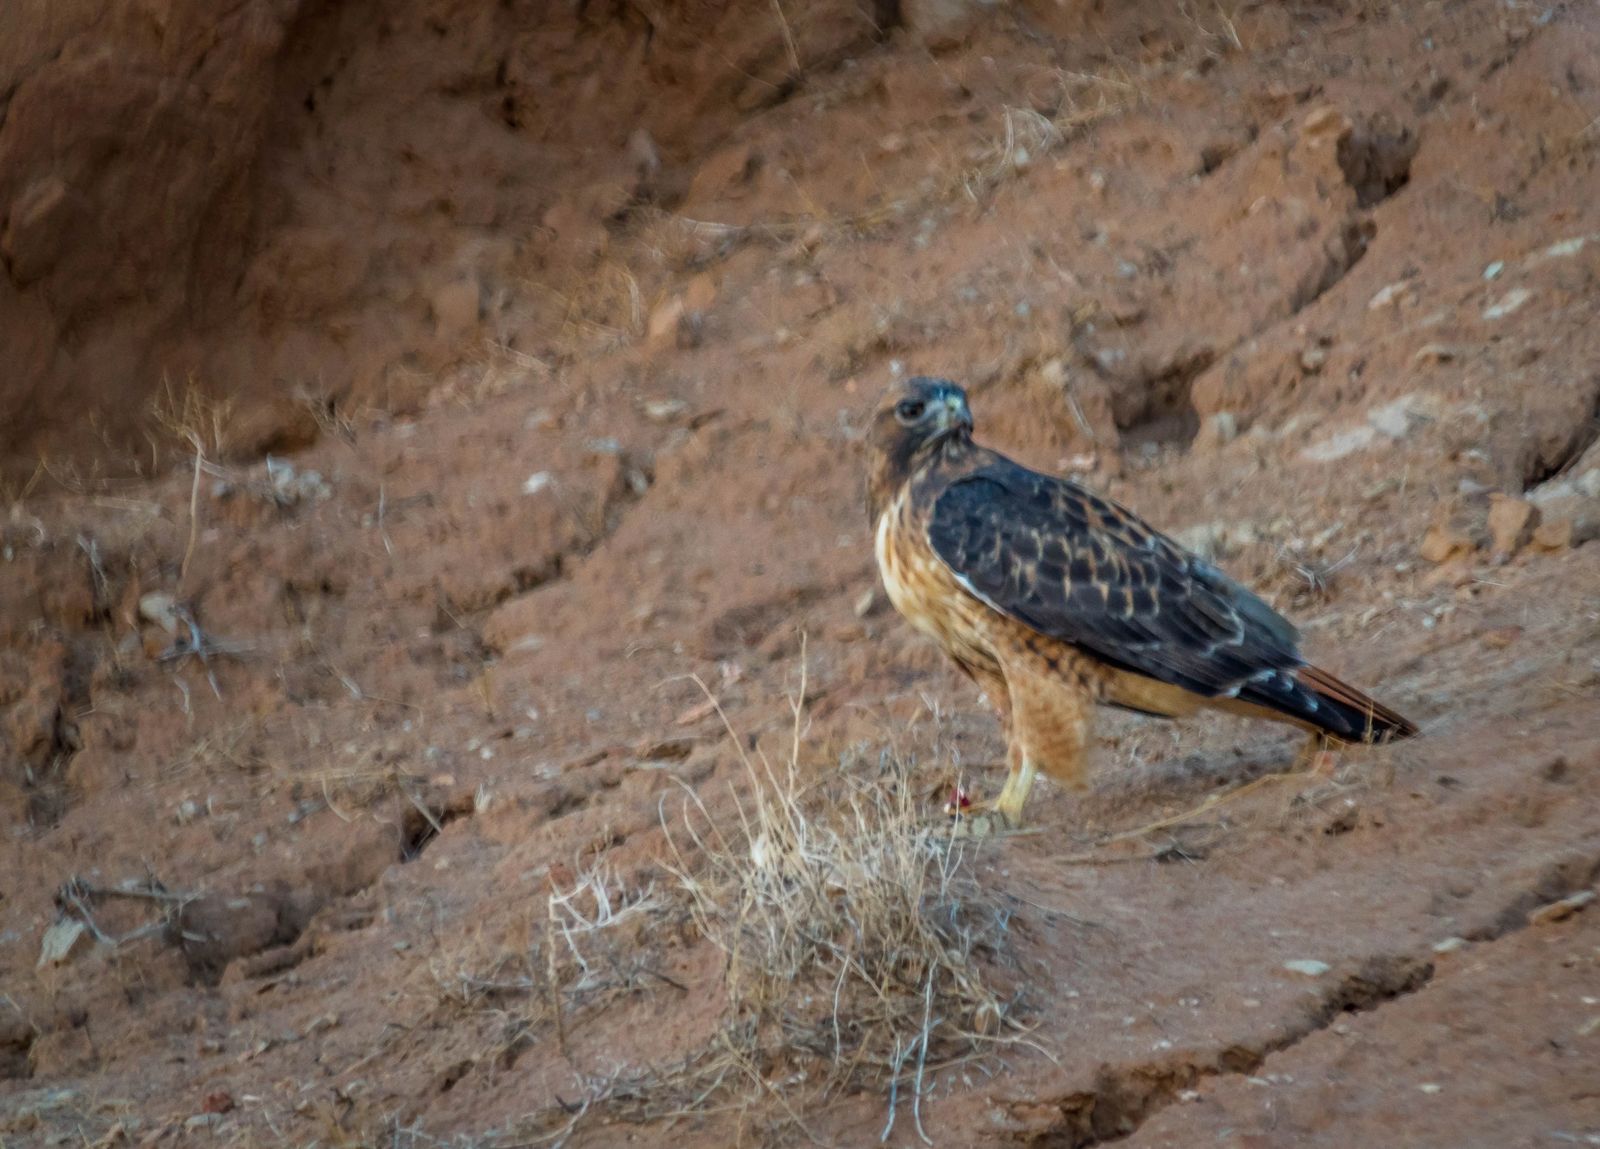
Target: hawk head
919, 417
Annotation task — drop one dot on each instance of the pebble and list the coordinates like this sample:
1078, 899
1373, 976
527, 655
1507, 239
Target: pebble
1435, 353
1494, 269
59, 941
1307, 966
1386, 295
1449, 945
1511, 523
1430, 1088
1562, 910
1508, 303
1392, 419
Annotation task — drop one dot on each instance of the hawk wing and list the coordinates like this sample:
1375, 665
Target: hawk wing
1081, 570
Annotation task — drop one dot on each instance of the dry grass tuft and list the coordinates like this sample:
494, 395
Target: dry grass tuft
858, 944
191, 419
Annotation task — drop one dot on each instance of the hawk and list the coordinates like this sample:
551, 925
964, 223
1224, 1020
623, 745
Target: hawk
1053, 599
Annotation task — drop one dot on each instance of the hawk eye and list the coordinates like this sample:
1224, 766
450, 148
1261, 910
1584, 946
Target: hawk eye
909, 410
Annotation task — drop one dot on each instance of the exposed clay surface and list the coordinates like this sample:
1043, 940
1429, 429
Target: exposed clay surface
561, 324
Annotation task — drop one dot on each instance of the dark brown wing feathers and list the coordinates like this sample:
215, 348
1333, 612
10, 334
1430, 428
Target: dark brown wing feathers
1087, 572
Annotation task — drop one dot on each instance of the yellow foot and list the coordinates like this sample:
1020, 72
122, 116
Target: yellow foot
972, 820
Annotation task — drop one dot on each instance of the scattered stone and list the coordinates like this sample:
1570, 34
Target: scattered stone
1392, 419
662, 326
1508, 303
1562, 910
1444, 542
1553, 535
59, 942
289, 486
1450, 945
664, 410
1494, 269
1430, 1088
1219, 429
1339, 445
1561, 249
1313, 359
219, 1102
161, 609
536, 482
1511, 523
1387, 295
1308, 967
1436, 353
1326, 123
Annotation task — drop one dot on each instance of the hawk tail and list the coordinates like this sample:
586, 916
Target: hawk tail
1319, 699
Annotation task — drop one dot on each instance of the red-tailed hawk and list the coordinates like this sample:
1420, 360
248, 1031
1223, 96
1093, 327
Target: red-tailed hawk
1054, 599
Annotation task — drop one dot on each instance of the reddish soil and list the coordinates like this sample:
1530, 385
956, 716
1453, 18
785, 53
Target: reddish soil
562, 329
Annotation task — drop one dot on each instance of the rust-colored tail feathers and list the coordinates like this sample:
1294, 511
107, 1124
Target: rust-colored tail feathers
1347, 713
1315, 698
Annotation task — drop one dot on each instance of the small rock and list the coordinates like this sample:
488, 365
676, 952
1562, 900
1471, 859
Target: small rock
1219, 429
161, 609
1435, 353
1309, 967
1313, 359
1386, 295
1562, 249
664, 410
662, 326
1562, 910
1508, 303
536, 482
1554, 535
1444, 542
59, 942
219, 1102
1326, 123
1339, 445
1511, 523
1449, 945
1430, 1088
1494, 269
1392, 419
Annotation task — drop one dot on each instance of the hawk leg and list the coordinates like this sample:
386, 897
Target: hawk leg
1048, 731
1004, 810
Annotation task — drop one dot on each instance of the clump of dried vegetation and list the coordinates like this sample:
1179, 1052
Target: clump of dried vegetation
860, 951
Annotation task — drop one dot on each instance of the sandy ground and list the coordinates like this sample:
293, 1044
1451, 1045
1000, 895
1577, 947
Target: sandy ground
305, 764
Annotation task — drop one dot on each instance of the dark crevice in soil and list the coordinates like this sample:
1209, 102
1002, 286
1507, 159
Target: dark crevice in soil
1549, 461
632, 482
421, 827
1376, 159
1345, 250
49, 798
1125, 1097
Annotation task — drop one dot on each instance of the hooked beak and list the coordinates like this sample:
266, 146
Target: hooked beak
953, 415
